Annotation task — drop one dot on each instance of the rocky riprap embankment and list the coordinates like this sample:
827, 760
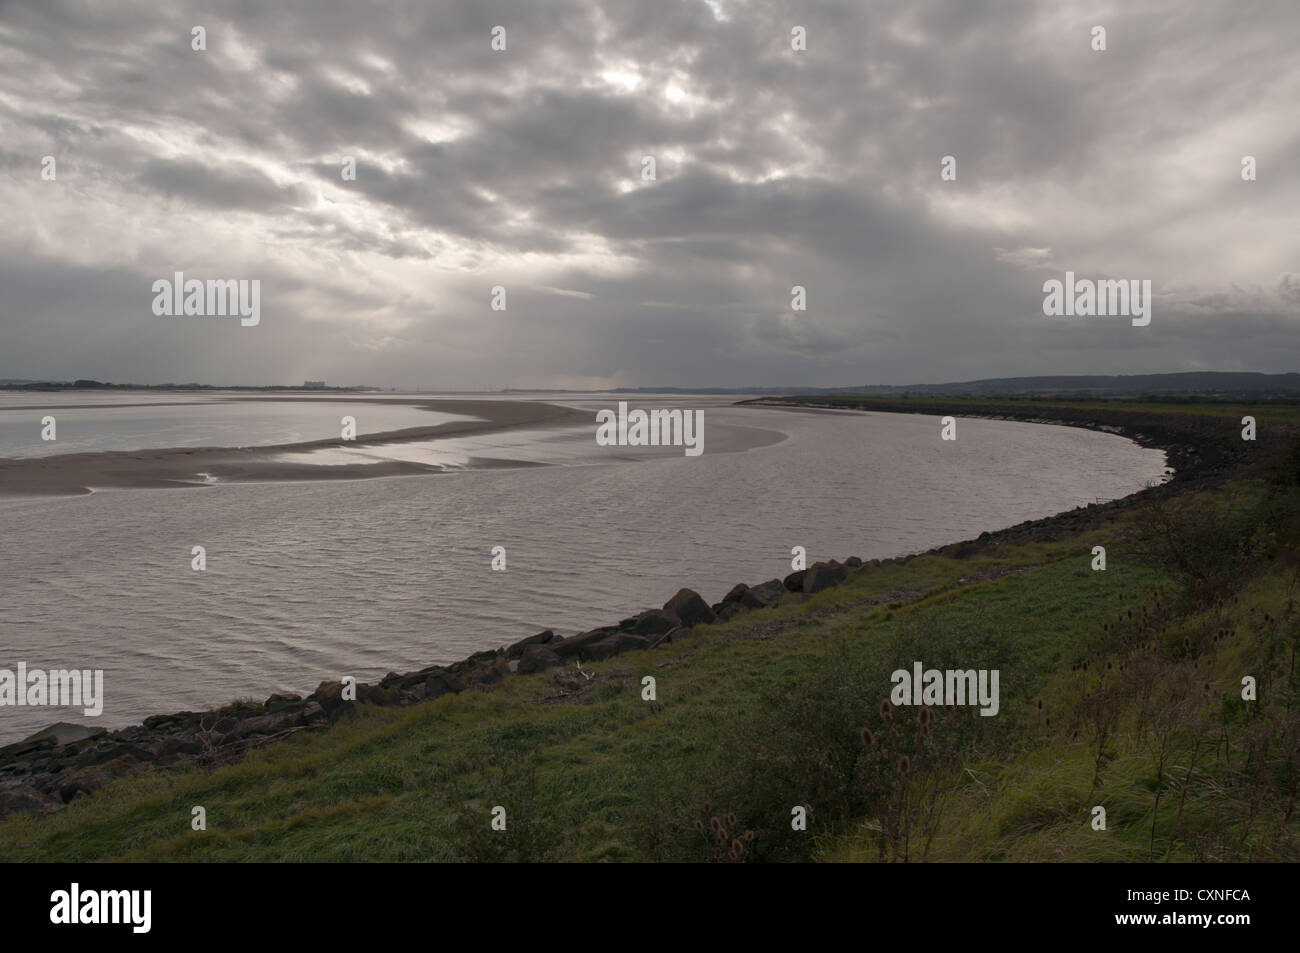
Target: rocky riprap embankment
66, 761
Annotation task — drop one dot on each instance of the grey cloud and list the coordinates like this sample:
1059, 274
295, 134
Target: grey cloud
774, 168
236, 187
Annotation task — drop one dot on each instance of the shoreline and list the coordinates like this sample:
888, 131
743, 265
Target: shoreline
73, 474
1201, 451
1196, 448
49, 769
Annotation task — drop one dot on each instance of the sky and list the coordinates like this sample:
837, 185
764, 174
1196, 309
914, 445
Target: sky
523, 168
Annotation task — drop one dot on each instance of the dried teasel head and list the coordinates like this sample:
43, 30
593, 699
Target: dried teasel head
886, 710
868, 739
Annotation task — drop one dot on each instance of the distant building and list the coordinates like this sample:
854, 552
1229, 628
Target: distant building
313, 385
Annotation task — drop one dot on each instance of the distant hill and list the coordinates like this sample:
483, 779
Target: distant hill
1216, 384
1193, 383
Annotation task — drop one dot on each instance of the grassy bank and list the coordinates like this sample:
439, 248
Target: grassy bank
1120, 689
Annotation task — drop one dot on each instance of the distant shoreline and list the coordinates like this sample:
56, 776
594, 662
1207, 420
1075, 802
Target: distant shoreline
1199, 449
178, 467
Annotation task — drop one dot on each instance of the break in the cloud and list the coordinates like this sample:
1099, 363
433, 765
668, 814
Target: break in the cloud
522, 168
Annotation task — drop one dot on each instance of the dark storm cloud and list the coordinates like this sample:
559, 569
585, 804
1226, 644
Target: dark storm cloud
522, 168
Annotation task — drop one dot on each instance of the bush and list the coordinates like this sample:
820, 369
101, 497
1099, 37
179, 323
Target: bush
1212, 547
829, 741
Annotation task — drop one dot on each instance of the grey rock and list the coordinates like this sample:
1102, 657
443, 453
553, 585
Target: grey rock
537, 658
65, 733
614, 645
570, 648
281, 701
767, 595
690, 608
822, 576
516, 651
735, 593
441, 683
730, 609
653, 622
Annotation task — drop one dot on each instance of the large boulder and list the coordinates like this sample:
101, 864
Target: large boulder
613, 645
113, 750
182, 720
378, 695
66, 733
577, 645
484, 672
652, 622
538, 658
735, 593
329, 695
440, 683
766, 595
794, 581
417, 682
690, 608
516, 651
282, 701
727, 610
822, 576
27, 748
262, 725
